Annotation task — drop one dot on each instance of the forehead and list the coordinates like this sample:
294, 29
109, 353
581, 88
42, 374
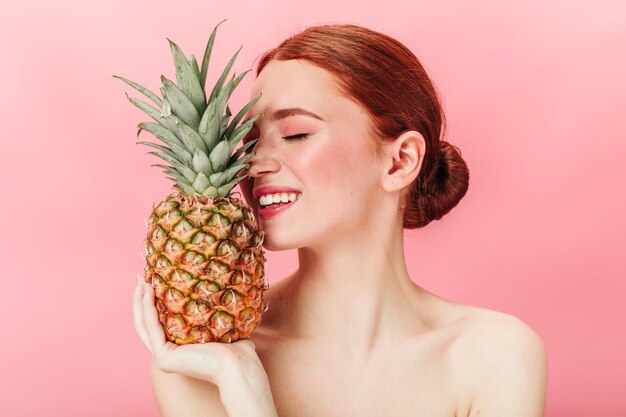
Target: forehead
294, 82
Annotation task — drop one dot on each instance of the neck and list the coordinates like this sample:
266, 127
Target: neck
353, 293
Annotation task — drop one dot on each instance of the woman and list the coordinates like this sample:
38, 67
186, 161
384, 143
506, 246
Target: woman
352, 125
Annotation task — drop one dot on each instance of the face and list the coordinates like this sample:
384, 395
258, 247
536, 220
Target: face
312, 139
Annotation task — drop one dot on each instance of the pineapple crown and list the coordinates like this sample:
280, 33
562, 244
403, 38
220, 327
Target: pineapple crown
198, 136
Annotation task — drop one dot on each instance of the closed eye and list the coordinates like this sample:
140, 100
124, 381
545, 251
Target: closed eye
249, 137
296, 137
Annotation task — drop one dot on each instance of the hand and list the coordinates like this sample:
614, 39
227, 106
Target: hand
234, 367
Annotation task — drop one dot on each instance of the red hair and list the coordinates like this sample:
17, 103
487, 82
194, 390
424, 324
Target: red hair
388, 81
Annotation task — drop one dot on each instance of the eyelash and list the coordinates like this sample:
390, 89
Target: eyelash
299, 136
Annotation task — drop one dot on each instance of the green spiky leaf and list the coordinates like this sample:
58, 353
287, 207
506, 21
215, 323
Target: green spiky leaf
220, 82
187, 172
211, 192
196, 70
184, 185
187, 79
162, 166
219, 156
155, 113
198, 134
201, 163
241, 150
191, 136
230, 173
166, 109
244, 159
241, 132
181, 105
183, 140
207, 55
162, 148
168, 138
201, 181
225, 120
240, 115
209, 128
227, 91
142, 90
225, 189
218, 179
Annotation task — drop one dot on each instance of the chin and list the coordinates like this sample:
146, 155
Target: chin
276, 242
273, 246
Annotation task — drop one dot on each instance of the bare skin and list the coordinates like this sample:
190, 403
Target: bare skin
433, 370
409, 374
349, 333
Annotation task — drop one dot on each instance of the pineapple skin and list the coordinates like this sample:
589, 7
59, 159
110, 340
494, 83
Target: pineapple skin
205, 260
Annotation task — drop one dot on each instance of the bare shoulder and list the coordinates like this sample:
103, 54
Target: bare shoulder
487, 330
503, 363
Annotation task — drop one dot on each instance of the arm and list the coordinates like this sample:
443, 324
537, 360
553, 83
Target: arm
181, 396
510, 373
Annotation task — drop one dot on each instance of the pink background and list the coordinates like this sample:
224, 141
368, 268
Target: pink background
534, 93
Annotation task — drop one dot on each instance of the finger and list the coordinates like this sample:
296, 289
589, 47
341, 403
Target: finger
246, 344
201, 361
154, 330
140, 327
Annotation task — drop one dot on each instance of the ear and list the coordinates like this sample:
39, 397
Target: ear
402, 160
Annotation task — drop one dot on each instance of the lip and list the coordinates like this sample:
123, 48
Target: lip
273, 189
269, 212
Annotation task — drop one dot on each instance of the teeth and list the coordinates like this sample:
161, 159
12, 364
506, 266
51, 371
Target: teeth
268, 199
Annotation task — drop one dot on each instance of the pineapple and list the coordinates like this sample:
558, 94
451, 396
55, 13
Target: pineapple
203, 247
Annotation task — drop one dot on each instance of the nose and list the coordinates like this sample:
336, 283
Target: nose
264, 160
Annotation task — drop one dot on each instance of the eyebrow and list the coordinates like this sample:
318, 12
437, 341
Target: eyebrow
292, 111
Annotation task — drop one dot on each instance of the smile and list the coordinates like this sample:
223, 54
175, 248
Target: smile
275, 209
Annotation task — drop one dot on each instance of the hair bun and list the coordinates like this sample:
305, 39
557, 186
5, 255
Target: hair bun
440, 191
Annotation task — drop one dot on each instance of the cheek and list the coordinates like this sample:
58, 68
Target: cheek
328, 167
340, 178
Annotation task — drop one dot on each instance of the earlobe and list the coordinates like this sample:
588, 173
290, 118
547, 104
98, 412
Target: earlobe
404, 160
